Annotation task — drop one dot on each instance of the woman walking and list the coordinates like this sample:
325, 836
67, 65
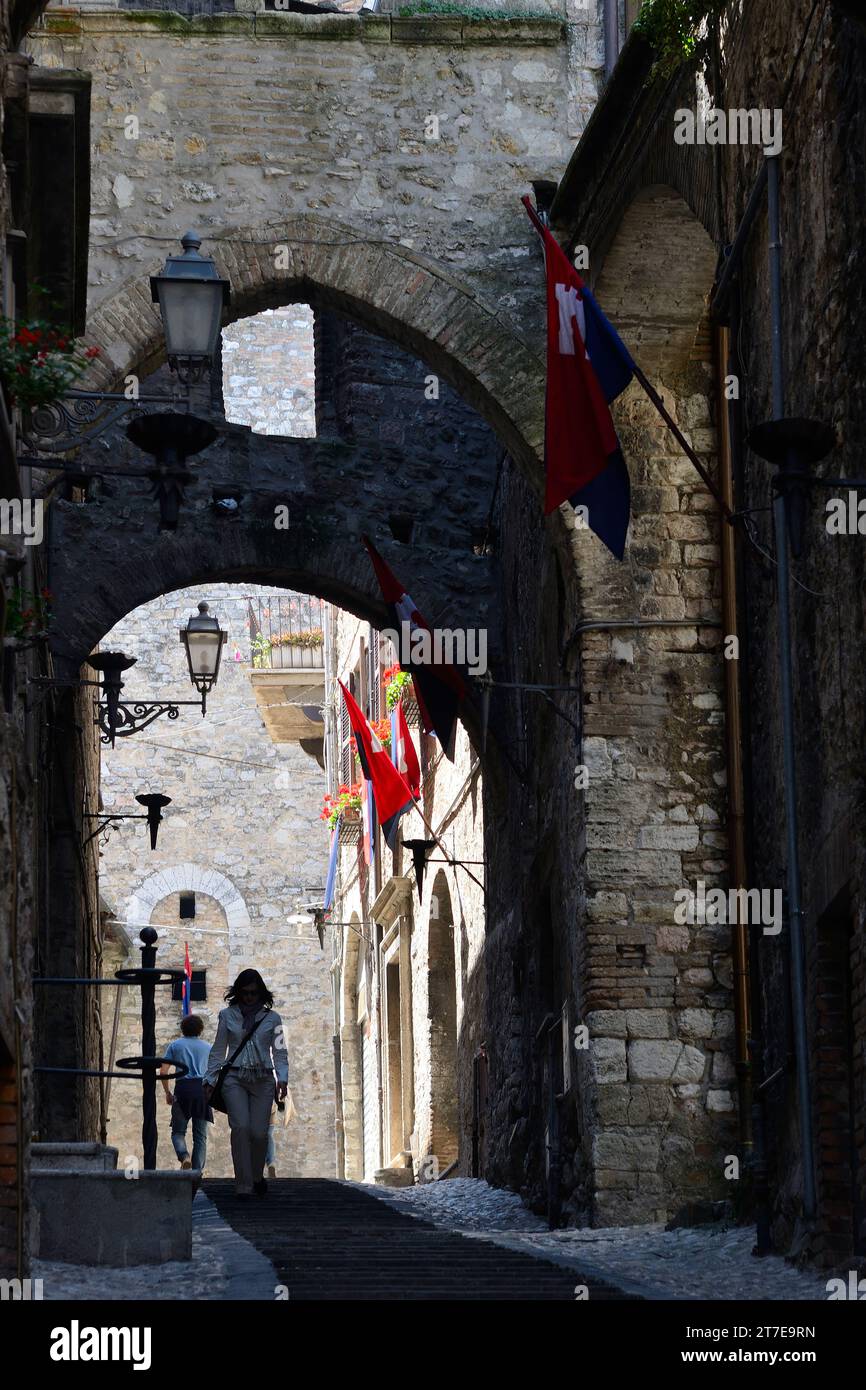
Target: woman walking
251, 1029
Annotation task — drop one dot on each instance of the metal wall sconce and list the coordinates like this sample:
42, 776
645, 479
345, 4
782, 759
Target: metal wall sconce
308, 915
794, 446
119, 718
170, 438
154, 801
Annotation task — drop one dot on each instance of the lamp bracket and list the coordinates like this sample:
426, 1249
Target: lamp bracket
131, 716
79, 416
105, 825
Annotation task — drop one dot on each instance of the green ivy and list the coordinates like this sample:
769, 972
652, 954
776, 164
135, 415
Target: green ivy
672, 26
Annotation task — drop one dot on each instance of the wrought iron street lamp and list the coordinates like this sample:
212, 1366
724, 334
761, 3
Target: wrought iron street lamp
204, 640
191, 296
144, 1068
171, 438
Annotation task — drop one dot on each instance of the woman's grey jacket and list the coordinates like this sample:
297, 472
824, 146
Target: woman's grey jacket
265, 1052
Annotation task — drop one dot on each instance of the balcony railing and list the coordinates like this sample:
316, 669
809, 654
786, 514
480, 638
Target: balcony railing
286, 632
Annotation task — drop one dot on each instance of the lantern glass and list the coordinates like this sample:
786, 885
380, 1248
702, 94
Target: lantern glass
191, 297
203, 639
191, 313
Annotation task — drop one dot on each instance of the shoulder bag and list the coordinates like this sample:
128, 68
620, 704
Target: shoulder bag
216, 1101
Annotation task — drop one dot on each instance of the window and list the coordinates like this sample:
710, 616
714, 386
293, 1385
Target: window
198, 990
345, 734
374, 676
187, 905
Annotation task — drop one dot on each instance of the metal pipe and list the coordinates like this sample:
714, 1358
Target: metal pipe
734, 741
760, 1167
148, 1049
795, 909
611, 37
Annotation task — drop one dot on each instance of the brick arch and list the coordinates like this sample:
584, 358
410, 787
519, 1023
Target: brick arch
186, 878
633, 148
660, 321
410, 298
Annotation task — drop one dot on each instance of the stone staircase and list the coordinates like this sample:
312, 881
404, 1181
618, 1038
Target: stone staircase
328, 1241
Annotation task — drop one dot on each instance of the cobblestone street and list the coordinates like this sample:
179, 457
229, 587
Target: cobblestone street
712, 1262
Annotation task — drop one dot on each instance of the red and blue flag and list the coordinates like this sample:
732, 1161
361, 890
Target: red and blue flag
391, 793
588, 366
439, 687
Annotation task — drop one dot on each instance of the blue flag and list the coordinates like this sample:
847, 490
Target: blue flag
332, 866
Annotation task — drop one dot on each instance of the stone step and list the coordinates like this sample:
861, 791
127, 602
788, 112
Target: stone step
84, 1157
330, 1242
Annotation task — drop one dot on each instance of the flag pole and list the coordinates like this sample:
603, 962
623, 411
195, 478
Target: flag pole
681, 440
653, 394
450, 858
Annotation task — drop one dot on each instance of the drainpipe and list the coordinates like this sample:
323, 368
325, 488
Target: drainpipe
795, 909
734, 740
611, 37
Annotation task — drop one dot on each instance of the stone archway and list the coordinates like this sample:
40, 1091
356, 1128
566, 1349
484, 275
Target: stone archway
407, 297
187, 877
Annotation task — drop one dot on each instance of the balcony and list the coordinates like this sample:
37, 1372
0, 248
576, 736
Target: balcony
287, 657
286, 632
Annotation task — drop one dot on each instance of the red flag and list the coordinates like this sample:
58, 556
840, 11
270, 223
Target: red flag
390, 792
403, 750
439, 687
579, 438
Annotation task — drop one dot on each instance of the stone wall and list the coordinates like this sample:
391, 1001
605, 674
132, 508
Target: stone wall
618, 801
270, 375
243, 834
248, 119
805, 61
824, 287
